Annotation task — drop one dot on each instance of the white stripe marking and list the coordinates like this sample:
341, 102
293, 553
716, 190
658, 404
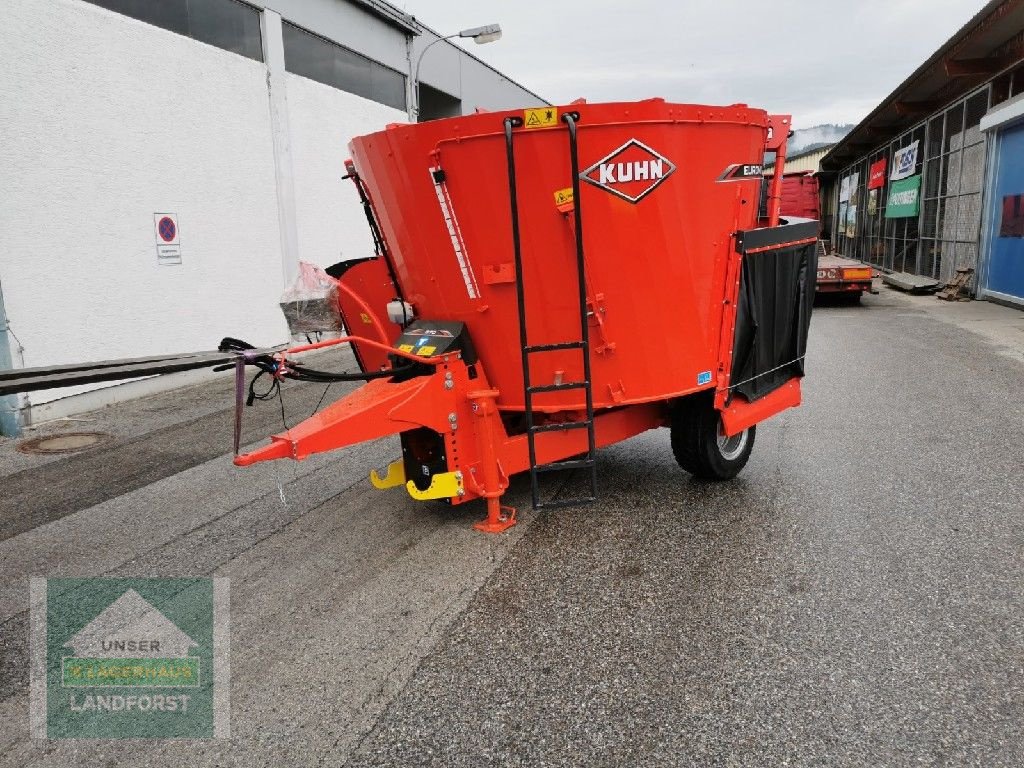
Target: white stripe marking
458, 244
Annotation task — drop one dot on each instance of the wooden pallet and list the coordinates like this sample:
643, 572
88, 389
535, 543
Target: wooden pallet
952, 290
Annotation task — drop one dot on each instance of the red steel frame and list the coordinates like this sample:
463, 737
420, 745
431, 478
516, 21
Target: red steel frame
462, 409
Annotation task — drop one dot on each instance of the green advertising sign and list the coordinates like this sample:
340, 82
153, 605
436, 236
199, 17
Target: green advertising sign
129, 658
904, 198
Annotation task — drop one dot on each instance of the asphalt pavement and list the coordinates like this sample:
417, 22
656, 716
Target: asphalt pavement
854, 598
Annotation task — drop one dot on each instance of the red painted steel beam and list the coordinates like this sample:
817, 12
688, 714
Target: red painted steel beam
740, 414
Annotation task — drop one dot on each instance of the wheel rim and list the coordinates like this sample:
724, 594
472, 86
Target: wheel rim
731, 448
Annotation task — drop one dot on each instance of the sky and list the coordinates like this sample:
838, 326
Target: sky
822, 61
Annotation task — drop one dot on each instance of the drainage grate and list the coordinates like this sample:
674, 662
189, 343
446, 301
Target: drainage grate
68, 442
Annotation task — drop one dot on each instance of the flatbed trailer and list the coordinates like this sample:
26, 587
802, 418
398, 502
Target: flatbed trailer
838, 275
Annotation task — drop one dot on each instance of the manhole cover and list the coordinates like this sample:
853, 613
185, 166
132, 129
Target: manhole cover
67, 442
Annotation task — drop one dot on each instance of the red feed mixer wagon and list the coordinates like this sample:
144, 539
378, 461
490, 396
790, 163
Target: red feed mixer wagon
550, 281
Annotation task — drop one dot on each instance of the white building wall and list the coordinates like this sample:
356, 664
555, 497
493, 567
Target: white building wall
330, 220
106, 120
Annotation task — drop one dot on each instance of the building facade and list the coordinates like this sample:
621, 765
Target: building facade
923, 183
229, 119
807, 161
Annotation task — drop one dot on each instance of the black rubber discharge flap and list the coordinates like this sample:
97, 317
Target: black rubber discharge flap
773, 314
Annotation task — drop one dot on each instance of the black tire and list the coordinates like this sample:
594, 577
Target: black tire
699, 447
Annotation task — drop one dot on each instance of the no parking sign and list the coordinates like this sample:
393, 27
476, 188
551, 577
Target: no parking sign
168, 238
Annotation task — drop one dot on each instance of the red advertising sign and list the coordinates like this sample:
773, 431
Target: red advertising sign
876, 175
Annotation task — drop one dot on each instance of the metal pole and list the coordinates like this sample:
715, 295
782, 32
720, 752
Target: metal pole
281, 142
416, 75
10, 421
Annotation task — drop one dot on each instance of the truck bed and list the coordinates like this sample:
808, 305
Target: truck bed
838, 274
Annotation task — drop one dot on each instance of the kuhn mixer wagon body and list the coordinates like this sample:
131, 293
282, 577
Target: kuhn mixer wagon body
560, 279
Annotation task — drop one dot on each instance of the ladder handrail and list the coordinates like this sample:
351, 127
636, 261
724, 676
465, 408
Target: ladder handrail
517, 254
570, 118
583, 344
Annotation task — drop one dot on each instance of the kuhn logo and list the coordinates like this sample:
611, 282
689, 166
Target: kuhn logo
631, 172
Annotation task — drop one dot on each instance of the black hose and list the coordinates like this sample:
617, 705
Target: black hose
299, 372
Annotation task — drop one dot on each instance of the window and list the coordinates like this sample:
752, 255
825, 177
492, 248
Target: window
1017, 84
900, 236
331, 64
227, 24
953, 187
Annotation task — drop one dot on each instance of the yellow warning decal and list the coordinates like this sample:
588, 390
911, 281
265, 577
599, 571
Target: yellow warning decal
365, 318
425, 351
544, 117
563, 196
405, 347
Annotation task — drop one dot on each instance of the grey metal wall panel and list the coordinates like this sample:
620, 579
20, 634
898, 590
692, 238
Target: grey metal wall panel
446, 66
347, 24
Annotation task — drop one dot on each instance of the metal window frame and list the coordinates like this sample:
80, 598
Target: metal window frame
941, 268
405, 77
258, 10
890, 231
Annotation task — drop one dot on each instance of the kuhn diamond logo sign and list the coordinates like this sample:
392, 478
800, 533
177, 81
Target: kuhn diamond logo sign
631, 172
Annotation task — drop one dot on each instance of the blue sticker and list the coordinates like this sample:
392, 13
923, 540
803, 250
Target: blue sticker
704, 377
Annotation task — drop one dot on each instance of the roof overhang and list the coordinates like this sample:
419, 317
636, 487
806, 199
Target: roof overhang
989, 43
390, 14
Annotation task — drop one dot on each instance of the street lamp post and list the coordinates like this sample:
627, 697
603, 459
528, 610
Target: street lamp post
480, 35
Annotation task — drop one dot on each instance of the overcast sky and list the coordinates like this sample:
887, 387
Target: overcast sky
835, 62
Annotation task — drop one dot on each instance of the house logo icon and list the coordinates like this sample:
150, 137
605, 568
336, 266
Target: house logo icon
130, 644
130, 628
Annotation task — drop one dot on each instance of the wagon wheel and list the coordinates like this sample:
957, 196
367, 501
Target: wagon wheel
700, 444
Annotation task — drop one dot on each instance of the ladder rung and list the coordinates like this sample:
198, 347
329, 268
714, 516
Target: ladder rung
566, 502
558, 387
553, 347
556, 466
562, 425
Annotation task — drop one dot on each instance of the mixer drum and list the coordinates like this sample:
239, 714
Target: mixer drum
664, 188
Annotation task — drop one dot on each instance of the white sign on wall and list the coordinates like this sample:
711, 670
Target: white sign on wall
904, 161
848, 187
168, 238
